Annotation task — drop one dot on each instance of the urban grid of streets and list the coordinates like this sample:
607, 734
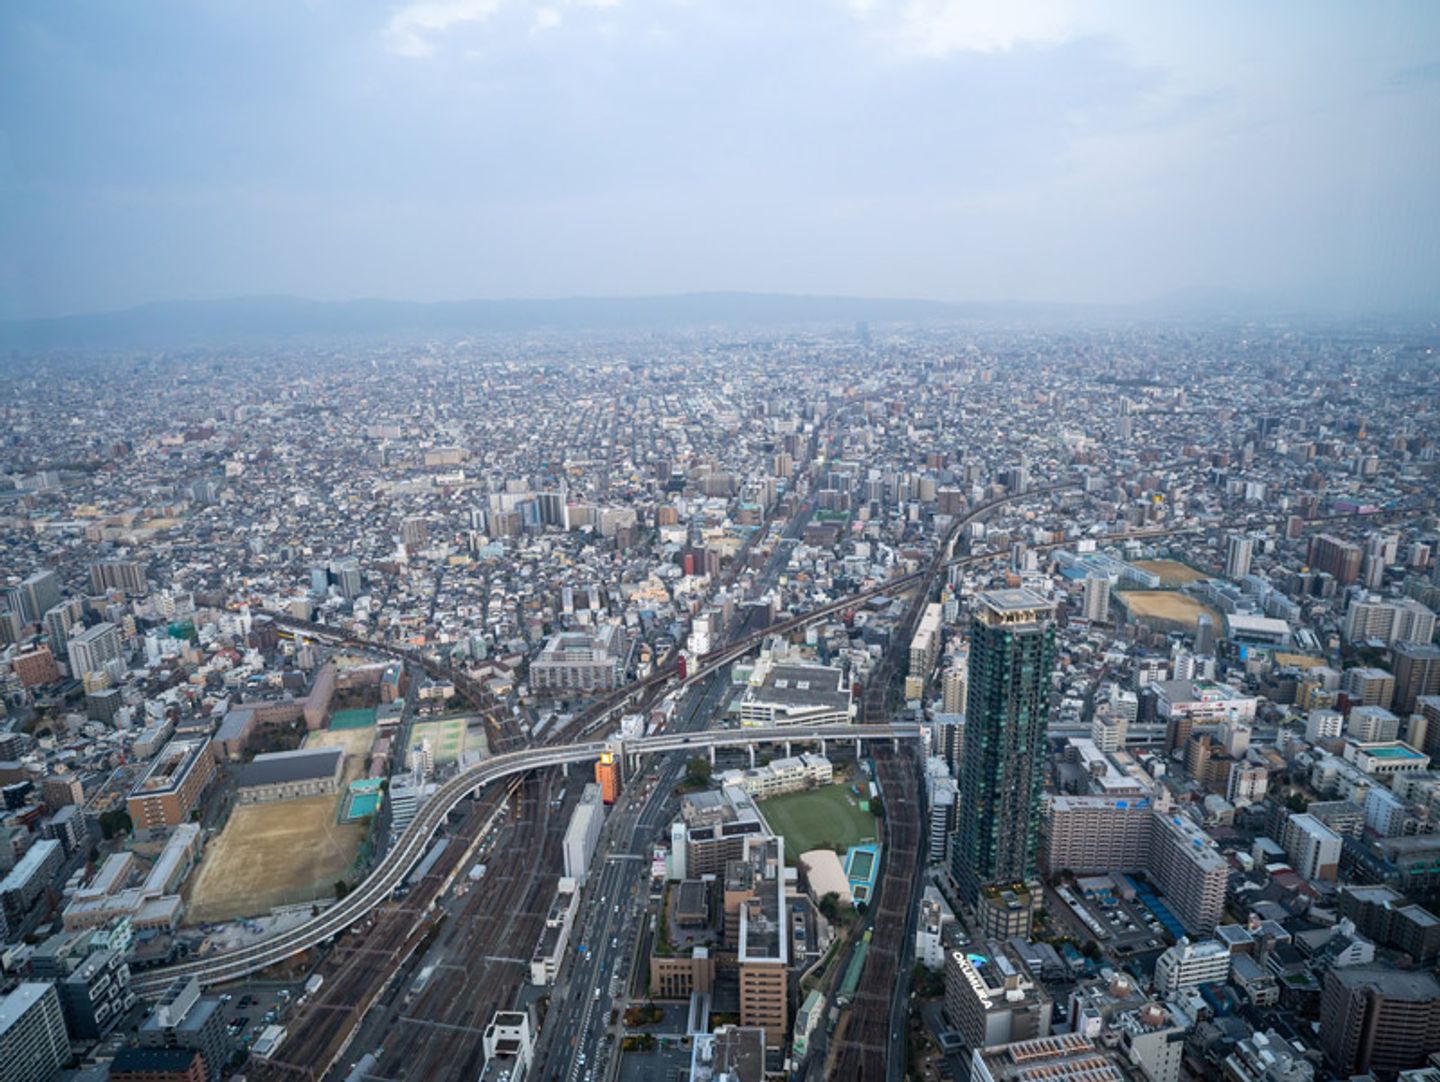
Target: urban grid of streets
382, 548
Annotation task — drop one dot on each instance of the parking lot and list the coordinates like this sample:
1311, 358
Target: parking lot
248, 1009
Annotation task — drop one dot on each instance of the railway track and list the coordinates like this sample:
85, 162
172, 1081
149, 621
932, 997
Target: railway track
361, 964
485, 950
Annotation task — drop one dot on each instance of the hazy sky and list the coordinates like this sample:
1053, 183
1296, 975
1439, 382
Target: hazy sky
500, 148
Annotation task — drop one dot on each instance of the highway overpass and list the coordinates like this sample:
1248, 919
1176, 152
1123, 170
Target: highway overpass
412, 844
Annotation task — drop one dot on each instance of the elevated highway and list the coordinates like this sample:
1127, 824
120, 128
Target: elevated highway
412, 844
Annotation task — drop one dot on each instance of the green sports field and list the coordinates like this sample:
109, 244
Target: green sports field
447, 738
824, 818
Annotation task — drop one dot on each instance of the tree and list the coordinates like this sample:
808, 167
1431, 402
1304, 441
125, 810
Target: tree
698, 772
877, 807
342, 888
830, 906
116, 821
1297, 803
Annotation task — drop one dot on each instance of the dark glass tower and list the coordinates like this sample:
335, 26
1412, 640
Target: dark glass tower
1012, 653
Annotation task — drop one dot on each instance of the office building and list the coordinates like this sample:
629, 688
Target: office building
1012, 652
33, 1041
954, 685
96, 995
1187, 964
1374, 1018
345, 573
185, 1019
992, 999
755, 896
1238, 551
1204, 634
583, 832
1417, 674
93, 648
609, 775
716, 826
171, 786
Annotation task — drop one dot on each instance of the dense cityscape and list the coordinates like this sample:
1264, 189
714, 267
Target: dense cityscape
972, 701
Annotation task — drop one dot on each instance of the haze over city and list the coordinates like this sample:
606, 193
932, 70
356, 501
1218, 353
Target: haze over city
719, 541
1276, 156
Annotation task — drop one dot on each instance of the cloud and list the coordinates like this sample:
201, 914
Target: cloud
545, 19
942, 27
410, 29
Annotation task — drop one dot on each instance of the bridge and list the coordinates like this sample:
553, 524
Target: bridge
412, 844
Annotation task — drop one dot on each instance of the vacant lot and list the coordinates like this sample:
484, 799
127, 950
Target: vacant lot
273, 854
1162, 607
824, 818
1171, 572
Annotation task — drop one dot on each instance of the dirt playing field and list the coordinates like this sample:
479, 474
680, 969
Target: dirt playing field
272, 854
1171, 572
356, 743
1169, 606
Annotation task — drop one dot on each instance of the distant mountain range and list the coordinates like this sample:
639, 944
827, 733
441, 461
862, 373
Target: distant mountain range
176, 324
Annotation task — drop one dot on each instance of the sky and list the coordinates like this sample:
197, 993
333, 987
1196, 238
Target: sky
1112, 152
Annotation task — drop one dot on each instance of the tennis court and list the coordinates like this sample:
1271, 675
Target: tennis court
359, 717
447, 738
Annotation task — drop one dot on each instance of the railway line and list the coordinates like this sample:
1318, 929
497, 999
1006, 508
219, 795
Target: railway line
361, 966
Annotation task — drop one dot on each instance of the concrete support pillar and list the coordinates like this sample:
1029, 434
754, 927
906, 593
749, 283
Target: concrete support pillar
712, 754
822, 745
859, 747
787, 749
751, 749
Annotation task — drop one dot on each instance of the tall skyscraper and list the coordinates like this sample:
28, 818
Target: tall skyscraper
1237, 556
1204, 634
1096, 601
1012, 652
1417, 673
38, 594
